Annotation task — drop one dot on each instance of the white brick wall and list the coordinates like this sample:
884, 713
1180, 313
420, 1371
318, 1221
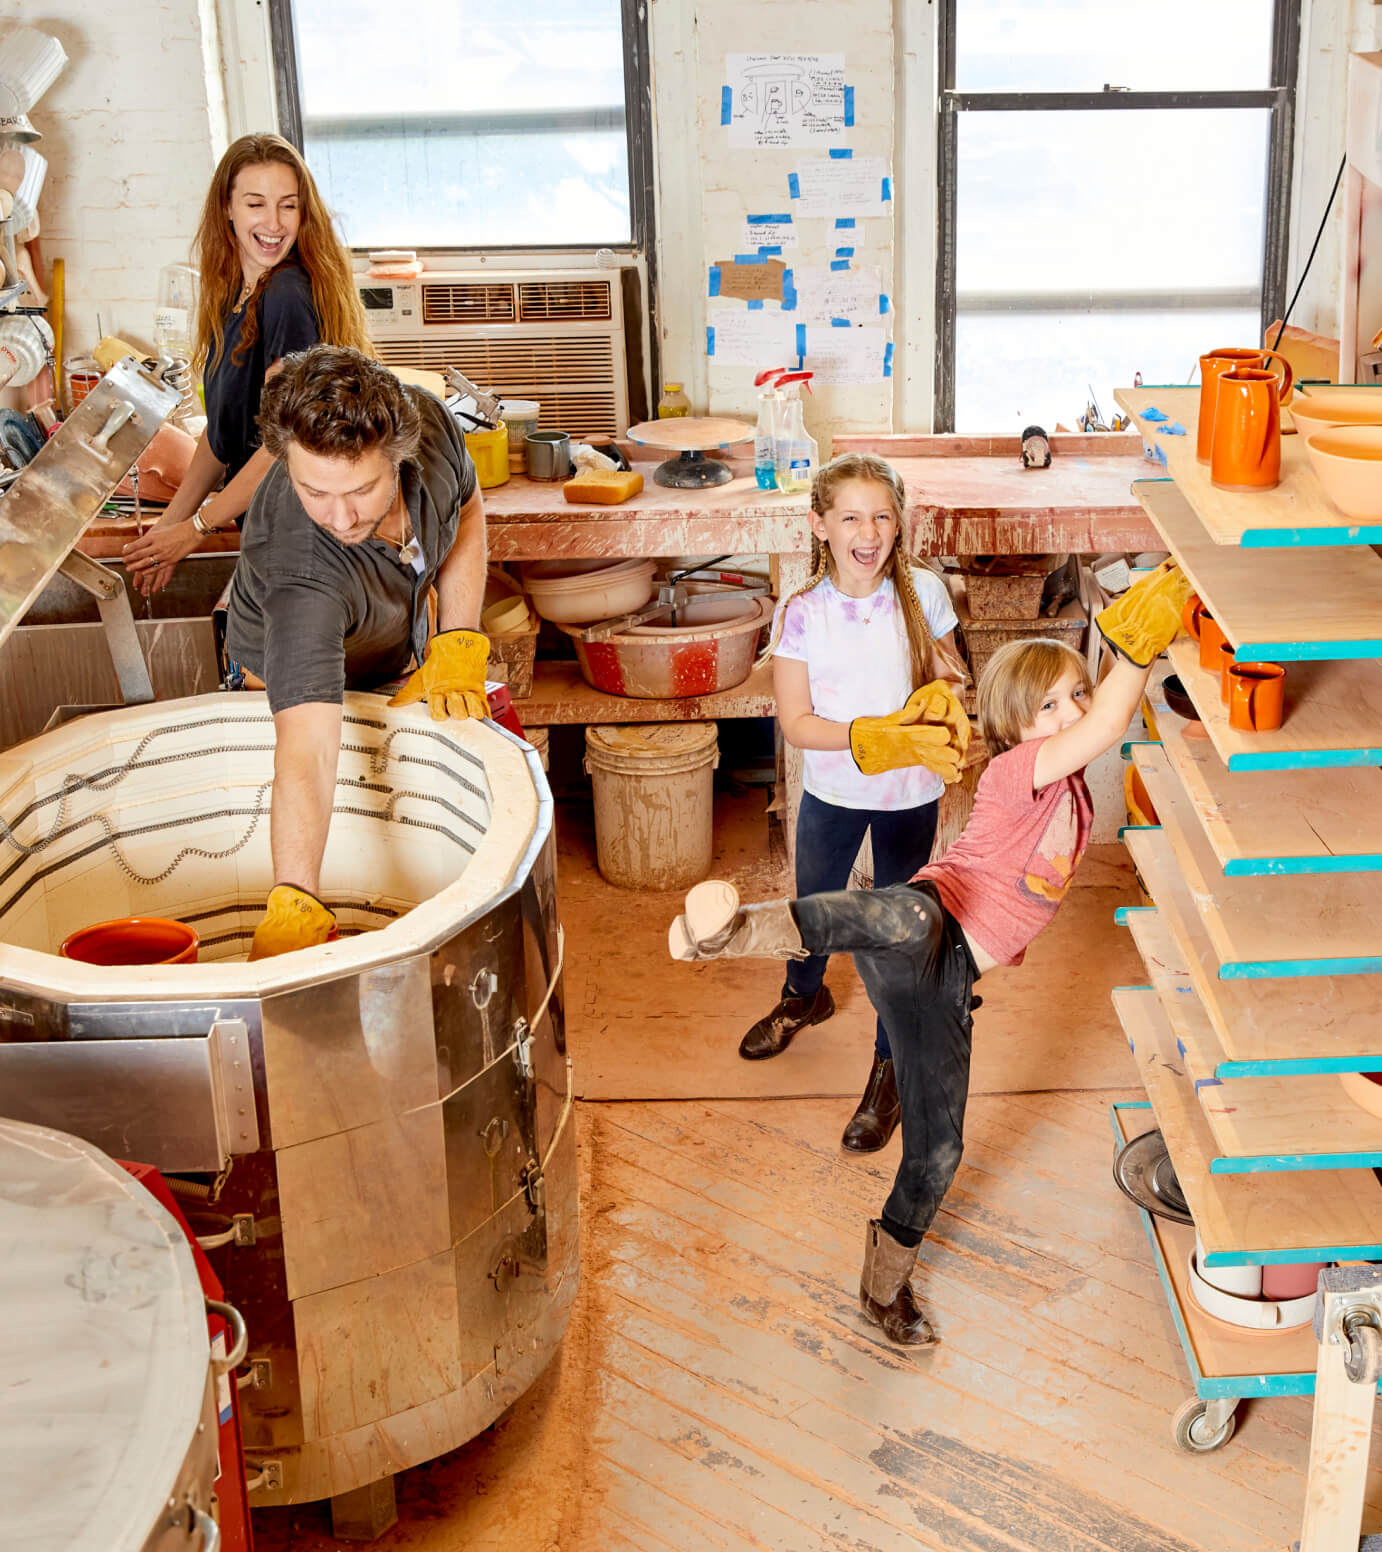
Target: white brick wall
131, 136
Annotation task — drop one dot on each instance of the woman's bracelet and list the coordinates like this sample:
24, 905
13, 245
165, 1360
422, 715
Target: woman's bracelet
201, 524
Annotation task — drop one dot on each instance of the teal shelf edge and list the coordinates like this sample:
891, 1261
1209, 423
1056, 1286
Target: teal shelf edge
1262, 867
1309, 651
1241, 1386
1299, 1066
1266, 1164
1306, 759
1310, 538
1291, 969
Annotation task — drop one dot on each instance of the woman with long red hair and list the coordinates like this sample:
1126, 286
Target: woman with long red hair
275, 278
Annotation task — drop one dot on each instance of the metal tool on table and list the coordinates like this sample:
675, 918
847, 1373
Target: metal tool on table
487, 405
673, 594
693, 437
47, 507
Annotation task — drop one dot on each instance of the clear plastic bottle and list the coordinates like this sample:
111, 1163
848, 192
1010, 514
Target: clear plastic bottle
673, 402
796, 456
175, 323
765, 436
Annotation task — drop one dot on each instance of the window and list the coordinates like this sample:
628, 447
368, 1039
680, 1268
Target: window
1113, 198
456, 124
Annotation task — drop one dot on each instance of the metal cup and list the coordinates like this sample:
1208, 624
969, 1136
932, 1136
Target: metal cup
549, 455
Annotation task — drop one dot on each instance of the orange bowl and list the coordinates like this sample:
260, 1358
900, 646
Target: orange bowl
1348, 463
134, 940
1320, 410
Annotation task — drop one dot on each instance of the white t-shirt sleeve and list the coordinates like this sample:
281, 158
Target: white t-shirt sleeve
792, 643
935, 601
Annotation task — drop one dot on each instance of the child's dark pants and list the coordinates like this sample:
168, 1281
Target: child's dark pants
828, 840
916, 966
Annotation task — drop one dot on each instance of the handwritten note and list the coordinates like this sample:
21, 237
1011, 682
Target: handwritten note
840, 186
785, 100
769, 232
737, 337
760, 282
824, 293
845, 356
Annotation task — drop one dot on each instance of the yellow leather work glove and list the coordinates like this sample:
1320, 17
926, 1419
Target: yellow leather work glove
293, 919
452, 678
1146, 619
930, 730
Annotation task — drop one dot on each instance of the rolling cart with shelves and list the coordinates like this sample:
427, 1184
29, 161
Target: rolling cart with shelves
1263, 947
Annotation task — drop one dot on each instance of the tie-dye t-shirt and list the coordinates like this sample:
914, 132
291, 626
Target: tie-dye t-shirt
1003, 879
859, 665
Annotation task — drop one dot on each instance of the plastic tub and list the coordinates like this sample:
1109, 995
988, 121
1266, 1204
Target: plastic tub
654, 792
133, 940
520, 416
576, 592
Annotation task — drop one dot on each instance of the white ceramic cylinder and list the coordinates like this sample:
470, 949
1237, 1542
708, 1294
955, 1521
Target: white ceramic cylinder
1245, 1281
30, 61
30, 187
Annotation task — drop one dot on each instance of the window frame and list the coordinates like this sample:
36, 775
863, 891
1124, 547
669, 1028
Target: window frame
638, 128
1279, 98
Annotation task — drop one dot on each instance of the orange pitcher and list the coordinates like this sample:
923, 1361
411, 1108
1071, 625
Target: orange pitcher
1212, 368
1246, 451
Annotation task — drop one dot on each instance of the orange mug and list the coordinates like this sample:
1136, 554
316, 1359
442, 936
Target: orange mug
1246, 452
1259, 697
1212, 368
1201, 624
1224, 667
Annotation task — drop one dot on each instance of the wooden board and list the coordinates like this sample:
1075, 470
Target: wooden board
1276, 822
690, 433
1244, 1219
1323, 603
1267, 1026
1296, 513
560, 695
1196, 1044
1325, 924
1333, 715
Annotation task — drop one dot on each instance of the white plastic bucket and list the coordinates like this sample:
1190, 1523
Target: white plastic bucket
654, 802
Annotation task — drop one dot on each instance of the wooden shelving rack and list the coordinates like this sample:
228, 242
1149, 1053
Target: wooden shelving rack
1263, 947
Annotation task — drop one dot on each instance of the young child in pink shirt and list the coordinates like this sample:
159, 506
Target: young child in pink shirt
919, 947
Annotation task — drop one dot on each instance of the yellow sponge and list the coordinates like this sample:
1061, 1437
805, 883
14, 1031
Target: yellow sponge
113, 349
605, 486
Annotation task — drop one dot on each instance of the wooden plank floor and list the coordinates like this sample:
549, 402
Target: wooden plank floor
718, 1388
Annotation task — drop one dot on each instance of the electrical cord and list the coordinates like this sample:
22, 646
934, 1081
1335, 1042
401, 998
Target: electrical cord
1314, 247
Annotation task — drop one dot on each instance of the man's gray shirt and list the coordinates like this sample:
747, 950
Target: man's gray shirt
312, 616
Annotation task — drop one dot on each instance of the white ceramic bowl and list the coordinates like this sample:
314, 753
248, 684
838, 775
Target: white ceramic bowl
1348, 462
574, 592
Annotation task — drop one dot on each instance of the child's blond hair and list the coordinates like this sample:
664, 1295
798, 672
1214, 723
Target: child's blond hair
1014, 684
867, 466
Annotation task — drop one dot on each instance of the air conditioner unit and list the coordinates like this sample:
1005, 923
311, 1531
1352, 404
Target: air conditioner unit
556, 336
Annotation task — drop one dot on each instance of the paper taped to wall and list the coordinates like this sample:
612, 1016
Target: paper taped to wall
758, 279
774, 232
737, 337
845, 356
785, 100
824, 293
843, 186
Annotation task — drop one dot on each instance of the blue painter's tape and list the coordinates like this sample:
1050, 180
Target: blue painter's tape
793, 185
714, 280
789, 292
726, 105
884, 305
844, 253
756, 306
849, 107
748, 258
888, 359
771, 220
844, 223
839, 263
709, 341
839, 323
801, 339
840, 154
769, 250
887, 188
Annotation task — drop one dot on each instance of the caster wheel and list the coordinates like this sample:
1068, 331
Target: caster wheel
1363, 1360
1188, 1429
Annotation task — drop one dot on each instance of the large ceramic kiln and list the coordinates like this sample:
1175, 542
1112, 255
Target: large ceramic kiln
384, 1121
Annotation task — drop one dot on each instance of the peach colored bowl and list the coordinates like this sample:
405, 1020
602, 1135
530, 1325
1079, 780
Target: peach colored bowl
1318, 411
1348, 461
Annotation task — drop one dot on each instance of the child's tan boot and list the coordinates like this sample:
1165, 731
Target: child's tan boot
885, 1292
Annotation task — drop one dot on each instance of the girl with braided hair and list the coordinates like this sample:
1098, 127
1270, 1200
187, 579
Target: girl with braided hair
866, 630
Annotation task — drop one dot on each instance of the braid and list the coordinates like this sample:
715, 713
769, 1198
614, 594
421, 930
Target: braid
820, 570
913, 616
